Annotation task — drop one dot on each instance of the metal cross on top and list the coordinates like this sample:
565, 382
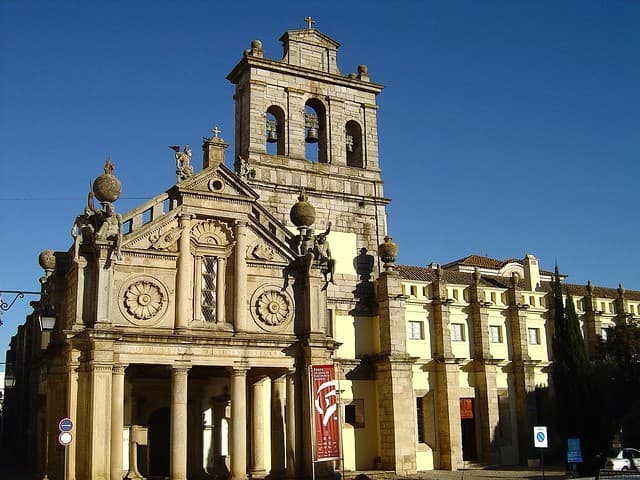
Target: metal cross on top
216, 131
310, 21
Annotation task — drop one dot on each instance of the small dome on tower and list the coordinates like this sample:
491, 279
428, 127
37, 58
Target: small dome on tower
107, 187
302, 214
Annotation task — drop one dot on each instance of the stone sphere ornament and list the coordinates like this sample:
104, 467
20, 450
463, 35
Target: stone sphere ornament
302, 214
107, 187
388, 253
47, 260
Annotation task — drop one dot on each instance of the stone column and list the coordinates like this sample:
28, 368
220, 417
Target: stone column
258, 430
220, 290
178, 464
485, 373
278, 395
291, 438
184, 275
295, 122
523, 373
72, 401
99, 400
396, 398
117, 420
238, 423
447, 389
240, 305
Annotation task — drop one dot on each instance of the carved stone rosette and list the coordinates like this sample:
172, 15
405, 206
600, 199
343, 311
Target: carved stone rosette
143, 300
272, 308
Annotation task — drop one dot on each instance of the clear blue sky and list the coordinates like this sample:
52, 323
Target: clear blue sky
506, 127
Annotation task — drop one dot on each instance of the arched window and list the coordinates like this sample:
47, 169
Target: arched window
353, 144
315, 126
275, 131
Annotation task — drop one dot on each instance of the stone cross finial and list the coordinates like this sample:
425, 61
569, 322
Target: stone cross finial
310, 21
216, 131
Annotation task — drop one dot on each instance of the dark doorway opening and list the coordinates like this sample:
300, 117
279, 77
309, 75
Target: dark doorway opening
159, 450
468, 425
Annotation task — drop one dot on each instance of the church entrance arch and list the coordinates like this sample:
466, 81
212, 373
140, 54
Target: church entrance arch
159, 443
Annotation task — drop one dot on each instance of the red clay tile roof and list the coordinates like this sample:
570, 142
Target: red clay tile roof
427, 274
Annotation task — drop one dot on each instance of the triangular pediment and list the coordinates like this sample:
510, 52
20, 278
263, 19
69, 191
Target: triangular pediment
214, 199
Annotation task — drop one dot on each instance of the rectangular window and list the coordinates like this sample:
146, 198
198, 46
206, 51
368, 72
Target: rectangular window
416, 330
420, 419
208, 295
534, 336
455, 294
603, 334
632, 309
414, 290
457, 332
354, 413
532, 300
493, 297
495, 332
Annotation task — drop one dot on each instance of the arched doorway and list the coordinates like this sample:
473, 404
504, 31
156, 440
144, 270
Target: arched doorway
159, 443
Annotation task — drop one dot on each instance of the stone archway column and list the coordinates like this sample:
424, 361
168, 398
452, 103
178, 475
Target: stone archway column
239, 423
291, 437
258, 430
278, 452
184, 275
240, 294
178, 464
117, 420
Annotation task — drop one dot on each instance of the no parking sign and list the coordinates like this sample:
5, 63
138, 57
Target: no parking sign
540, 437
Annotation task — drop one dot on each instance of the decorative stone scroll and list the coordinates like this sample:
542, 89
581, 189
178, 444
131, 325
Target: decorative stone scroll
143, 300
272, 308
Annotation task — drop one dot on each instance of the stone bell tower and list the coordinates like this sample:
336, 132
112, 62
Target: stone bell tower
301, 124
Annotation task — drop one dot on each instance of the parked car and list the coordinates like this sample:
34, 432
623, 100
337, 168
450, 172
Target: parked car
623, 459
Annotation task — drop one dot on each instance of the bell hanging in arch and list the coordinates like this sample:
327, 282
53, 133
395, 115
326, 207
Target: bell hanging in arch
349, 142
272, 136
312, 135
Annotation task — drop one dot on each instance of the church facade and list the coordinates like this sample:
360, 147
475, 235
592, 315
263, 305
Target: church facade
185, 328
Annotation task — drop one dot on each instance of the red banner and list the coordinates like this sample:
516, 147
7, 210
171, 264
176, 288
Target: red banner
325, 412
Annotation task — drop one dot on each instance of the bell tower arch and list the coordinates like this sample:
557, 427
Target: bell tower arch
302, 124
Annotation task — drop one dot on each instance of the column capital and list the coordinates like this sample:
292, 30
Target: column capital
180, 369
238, 370
119, 368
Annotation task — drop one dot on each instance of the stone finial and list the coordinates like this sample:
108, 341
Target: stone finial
47, 260
515, 278
107, 187
439, 272
388, 253
590, 287
363, 73
255, 50
621, 290
302, 214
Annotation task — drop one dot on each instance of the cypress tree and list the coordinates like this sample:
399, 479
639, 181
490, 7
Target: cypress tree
571, 370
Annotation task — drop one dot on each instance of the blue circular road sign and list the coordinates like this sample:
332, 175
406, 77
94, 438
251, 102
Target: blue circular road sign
65, 425
540, 436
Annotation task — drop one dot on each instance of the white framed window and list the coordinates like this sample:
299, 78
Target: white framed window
416, 330
457, 332
603, 333
534, 336
495, 333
